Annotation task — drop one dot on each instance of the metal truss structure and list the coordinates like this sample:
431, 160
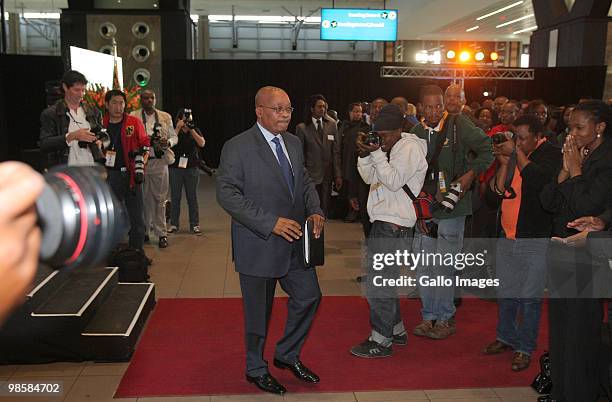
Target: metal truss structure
457, 73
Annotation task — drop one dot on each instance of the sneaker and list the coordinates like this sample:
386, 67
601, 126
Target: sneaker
163, 242
400, 340
520, 361
370, 349
442, 330
424, 328
172, 229
196, 230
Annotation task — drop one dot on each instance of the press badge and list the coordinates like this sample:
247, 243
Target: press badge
331, 137
379, 193
110, 158
183, 162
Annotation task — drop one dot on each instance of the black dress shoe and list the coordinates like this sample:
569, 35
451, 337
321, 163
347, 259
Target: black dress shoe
163, 242
299, 370
545, 398
267, 383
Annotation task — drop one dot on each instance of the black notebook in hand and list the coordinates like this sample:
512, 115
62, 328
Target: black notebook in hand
314, 249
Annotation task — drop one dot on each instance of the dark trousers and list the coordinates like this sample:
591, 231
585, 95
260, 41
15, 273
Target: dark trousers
132, 199
302, 286
324, 191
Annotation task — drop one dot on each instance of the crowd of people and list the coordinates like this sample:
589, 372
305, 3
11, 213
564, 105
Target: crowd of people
150, 157
534, 177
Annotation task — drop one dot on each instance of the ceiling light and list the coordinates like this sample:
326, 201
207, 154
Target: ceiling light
472, 29
533, 28
54, 16
513, 21
499, 11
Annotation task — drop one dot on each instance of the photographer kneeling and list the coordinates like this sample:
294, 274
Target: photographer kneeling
387, 165
184, 171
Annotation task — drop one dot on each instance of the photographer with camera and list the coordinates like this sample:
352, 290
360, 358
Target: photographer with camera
125, 159
19, 232
452, 141
389, 160
527, 162
68, 126
184, 171
159, 128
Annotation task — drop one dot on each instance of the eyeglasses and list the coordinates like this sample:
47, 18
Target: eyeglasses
280, 109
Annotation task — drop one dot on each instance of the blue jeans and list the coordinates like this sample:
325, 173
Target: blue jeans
521, 270
189, 179
385, 317
438, 301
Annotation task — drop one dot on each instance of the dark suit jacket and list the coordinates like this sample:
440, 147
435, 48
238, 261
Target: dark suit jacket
322, 155
252, 189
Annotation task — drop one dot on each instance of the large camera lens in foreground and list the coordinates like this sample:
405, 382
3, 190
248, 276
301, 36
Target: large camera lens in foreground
80, 218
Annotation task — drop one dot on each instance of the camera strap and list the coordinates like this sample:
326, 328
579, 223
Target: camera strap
144, 117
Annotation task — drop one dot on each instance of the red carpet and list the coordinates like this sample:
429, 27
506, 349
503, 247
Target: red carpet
195, 347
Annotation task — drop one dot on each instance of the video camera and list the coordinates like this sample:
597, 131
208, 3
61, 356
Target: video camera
138, 156
101, 135
80, 218
373, 138
500, 138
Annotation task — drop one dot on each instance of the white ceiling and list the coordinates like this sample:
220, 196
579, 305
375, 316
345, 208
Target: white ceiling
418, 19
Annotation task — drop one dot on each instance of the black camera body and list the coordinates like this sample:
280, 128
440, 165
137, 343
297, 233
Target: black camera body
96, 153
138, 156
156, 141
499, 138
373, 138
188, 116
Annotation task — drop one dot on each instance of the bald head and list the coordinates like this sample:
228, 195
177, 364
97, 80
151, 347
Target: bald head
454, 98
273, 109
401, 102
147, 100
265, 93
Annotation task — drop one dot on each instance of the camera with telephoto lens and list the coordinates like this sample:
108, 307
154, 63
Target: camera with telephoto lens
96, 153
156, 141
372, 138
500, 138
80, 218
188, 116
452, 197
138, 156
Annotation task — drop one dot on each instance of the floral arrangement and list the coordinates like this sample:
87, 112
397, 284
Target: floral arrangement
94, 97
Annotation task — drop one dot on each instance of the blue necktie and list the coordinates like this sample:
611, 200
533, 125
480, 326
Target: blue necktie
284, 164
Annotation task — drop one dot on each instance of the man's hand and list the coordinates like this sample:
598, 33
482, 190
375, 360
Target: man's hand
364, 149
288, 229
587, 224
179, 125
318, 222
82, 134
466, 181
338, 183
20, 186
354, 204
163, 142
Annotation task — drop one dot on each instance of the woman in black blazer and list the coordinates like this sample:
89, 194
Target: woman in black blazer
583, 188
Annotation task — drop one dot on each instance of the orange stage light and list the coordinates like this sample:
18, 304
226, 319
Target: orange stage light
464, 56
450, 54
494, 56
479, 56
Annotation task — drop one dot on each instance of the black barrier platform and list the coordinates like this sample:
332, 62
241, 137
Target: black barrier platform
77, 315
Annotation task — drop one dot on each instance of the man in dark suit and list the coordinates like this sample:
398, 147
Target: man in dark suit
263, 185
322, 149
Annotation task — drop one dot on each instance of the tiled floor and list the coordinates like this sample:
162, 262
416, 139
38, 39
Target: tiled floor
202, 267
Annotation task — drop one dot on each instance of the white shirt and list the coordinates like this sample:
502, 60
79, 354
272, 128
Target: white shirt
77, 155
314, 121
269, 137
